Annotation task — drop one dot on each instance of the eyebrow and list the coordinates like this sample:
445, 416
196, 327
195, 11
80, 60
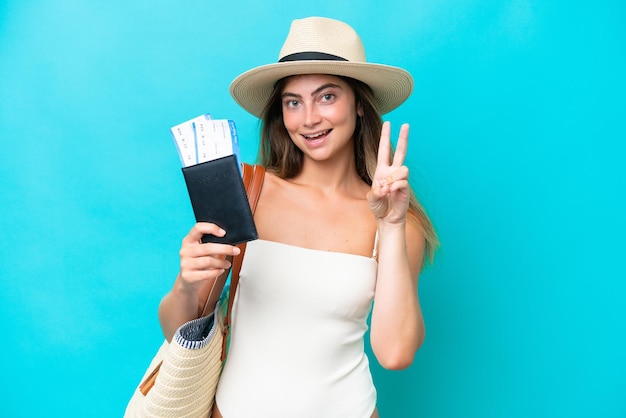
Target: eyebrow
314, 92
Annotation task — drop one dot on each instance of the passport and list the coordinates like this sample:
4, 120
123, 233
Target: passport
218, 195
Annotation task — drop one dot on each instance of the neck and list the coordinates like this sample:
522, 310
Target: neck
330, 176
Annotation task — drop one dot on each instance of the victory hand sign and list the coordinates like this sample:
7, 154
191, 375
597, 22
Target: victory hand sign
390, 193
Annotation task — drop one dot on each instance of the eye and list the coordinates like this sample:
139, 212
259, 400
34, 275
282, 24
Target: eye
327, 97
291, 103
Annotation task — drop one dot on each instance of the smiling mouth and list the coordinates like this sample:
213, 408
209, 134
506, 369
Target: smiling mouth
316, 136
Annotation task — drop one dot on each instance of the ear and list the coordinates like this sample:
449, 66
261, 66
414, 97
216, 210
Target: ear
359, 109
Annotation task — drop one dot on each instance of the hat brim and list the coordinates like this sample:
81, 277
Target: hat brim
390, 85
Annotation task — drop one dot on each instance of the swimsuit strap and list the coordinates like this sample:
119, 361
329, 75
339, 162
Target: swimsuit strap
375, 252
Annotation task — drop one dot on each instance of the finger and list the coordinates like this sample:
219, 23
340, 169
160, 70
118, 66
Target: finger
208, 249
203, 228
401, 146
399, 185
376, 202
375, 193
400, 173
204, 264
384, 146
202, 267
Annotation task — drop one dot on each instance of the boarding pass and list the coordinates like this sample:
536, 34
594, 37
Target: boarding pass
203, 139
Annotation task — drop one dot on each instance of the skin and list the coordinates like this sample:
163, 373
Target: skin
319, 113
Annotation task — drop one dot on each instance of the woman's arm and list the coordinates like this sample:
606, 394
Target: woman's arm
198, 263
397, 326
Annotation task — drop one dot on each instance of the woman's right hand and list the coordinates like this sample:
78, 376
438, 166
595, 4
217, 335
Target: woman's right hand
200, 261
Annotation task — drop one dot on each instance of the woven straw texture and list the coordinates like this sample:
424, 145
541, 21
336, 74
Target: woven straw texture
186, 383
390, 85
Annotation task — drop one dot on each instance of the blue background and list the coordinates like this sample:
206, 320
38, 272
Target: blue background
516, 150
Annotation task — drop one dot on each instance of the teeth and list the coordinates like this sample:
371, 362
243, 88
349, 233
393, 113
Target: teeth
316, 135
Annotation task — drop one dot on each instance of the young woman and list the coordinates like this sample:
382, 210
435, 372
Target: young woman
339, 228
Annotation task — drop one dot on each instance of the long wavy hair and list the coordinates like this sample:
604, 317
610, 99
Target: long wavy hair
278, 153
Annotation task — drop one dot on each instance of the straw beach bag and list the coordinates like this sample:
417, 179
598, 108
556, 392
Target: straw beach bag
182, 378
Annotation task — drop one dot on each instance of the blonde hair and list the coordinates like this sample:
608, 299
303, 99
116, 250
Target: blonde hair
279, 154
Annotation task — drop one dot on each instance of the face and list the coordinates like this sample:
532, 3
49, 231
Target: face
319, 113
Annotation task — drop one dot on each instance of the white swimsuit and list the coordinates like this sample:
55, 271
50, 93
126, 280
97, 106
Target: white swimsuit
297, 346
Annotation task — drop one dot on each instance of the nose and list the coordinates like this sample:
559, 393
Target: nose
312, 116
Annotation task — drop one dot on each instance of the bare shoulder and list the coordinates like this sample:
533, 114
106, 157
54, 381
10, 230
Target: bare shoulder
275, 206
272, 181
274, 190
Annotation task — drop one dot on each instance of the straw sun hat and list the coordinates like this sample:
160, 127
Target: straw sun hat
318, 45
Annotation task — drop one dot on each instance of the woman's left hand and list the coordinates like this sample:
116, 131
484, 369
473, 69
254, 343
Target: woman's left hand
390, 193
